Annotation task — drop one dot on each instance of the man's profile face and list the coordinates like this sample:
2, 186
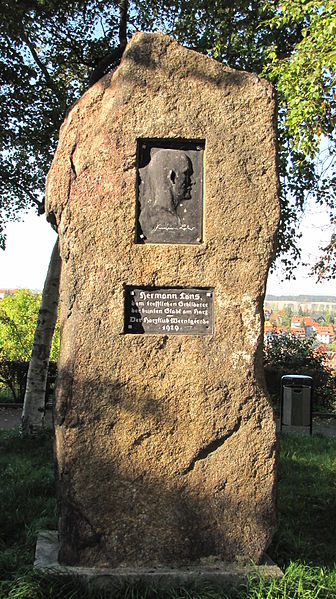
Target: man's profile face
169, 191
181, 181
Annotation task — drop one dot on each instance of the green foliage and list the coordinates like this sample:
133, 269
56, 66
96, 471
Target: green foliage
50, 51
238, 34
291, 353
329, 318
18, 316
300, 581
288, 354
305, 79
47, 50
286, 317
304, 543
13, 378
284, 42
306, 76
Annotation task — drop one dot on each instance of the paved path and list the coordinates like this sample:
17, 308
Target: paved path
326, 426
322, 426
10, 418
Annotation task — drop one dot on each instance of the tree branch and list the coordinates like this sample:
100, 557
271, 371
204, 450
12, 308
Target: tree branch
40, 205
123, 23
42, 67
104, 65
113, 58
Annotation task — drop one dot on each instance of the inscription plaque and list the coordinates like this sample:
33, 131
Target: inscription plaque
169, 191
172, 311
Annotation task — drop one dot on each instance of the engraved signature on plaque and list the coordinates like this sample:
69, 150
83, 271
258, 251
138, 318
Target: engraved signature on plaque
173, 311
170, 194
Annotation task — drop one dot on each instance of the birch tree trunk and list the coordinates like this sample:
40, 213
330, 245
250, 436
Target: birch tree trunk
33, 413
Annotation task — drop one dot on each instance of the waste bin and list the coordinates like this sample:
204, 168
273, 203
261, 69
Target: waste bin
296, 400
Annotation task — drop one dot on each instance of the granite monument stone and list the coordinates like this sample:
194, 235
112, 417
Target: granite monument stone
164, 189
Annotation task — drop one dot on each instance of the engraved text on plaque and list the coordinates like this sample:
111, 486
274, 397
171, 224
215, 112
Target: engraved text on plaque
173, 311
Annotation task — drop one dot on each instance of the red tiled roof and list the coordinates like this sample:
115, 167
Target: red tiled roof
298, 331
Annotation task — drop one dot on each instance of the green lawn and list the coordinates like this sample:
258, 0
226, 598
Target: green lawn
306, 501
304, 546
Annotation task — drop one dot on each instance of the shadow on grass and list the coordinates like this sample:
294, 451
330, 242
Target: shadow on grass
306, 501
27, 497
307, 483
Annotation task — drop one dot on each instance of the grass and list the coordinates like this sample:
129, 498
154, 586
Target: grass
306, 501
304, 544
27, 498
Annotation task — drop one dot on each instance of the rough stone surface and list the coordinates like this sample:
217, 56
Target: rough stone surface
165, 444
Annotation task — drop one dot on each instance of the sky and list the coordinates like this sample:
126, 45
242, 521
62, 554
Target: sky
25, 261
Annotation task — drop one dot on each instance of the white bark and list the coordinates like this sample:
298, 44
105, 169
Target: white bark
32, 419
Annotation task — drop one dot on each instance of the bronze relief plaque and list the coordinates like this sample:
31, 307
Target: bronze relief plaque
169, 191
168, 311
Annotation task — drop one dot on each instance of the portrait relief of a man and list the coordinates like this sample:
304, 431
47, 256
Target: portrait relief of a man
169, 204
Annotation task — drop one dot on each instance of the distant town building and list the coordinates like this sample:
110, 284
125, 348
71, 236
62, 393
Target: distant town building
313, 324
324, 334
298, 332
306, 322
4, 292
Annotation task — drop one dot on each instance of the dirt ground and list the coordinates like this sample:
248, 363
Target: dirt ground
10, 418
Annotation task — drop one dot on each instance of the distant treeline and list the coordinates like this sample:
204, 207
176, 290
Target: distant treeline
328, 299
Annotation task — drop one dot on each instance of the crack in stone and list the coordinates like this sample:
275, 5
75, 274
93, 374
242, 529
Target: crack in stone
73, 168
141, 438
72, 174
204, 452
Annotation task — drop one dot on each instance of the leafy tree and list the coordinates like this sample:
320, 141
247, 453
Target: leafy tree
288, 354
305, 78
291, 43
13, 376
50, 52
329, 318
325, 267
286, 317
18, 315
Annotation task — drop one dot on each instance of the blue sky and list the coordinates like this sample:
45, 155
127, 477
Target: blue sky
25, 261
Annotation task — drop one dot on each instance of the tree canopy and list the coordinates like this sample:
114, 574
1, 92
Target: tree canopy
18, 315
47, 50
50, 52
305, 80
